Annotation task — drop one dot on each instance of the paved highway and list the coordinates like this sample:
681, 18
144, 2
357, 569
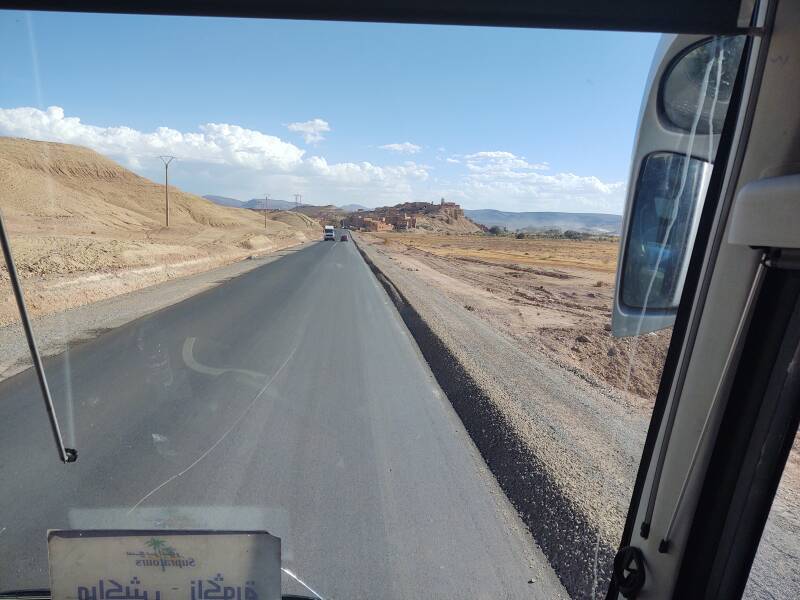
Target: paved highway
290, 398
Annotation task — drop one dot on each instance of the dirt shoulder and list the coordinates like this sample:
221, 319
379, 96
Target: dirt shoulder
552, 295
527, 322
586, 437
64, 272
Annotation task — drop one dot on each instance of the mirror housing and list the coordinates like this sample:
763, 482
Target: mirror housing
685, 101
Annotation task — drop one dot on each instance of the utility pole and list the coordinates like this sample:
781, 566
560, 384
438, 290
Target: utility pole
298, 200
166, 160
266, 209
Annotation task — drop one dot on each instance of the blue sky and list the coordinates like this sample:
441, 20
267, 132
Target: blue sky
510, 119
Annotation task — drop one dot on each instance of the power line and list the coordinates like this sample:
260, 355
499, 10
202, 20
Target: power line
166, 160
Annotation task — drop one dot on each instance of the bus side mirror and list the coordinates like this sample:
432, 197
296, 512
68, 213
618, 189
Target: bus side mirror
683, 110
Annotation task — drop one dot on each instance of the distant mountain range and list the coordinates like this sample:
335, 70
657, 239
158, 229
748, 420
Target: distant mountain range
513, 221
273, 203
254, 203
224, 201
354, 207
539, 221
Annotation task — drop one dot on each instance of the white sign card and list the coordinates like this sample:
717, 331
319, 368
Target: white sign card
164, 565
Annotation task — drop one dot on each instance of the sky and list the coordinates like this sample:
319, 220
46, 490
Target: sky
373, 114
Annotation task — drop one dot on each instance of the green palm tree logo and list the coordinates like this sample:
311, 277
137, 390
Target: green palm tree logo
156, 544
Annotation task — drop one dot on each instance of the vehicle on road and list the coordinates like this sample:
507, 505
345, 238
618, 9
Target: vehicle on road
330, 233
343, 238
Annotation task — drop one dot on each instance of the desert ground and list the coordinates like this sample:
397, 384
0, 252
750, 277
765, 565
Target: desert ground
552, 294
84, 228
543, 306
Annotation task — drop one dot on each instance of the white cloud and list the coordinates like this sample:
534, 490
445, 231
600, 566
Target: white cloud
500, 161
396, 178
513, 181
214, 142
402, 148
310, 130
227, 159
222, 158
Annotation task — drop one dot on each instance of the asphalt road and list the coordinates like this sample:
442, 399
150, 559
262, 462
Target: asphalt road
291, 398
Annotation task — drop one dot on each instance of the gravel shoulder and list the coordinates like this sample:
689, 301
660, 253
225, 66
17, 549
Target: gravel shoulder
551, 294
56, 332
585, 435
587, 439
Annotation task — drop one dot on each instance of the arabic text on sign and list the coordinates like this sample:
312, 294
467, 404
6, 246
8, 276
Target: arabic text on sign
113, 590
213, 589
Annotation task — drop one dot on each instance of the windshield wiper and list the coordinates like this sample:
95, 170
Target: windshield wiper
66, 455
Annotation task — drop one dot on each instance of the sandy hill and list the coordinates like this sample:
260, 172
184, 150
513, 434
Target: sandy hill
444, 217
71, 212
294, 219
224, 200
439, 223
79, 186
328, 214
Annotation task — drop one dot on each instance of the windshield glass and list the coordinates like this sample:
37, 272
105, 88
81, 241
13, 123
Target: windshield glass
436, 408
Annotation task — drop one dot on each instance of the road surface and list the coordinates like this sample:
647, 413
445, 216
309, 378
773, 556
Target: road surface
292, 399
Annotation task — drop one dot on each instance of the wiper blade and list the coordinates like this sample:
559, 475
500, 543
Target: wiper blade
66, 455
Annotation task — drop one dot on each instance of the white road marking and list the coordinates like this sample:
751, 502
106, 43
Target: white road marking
188, 358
